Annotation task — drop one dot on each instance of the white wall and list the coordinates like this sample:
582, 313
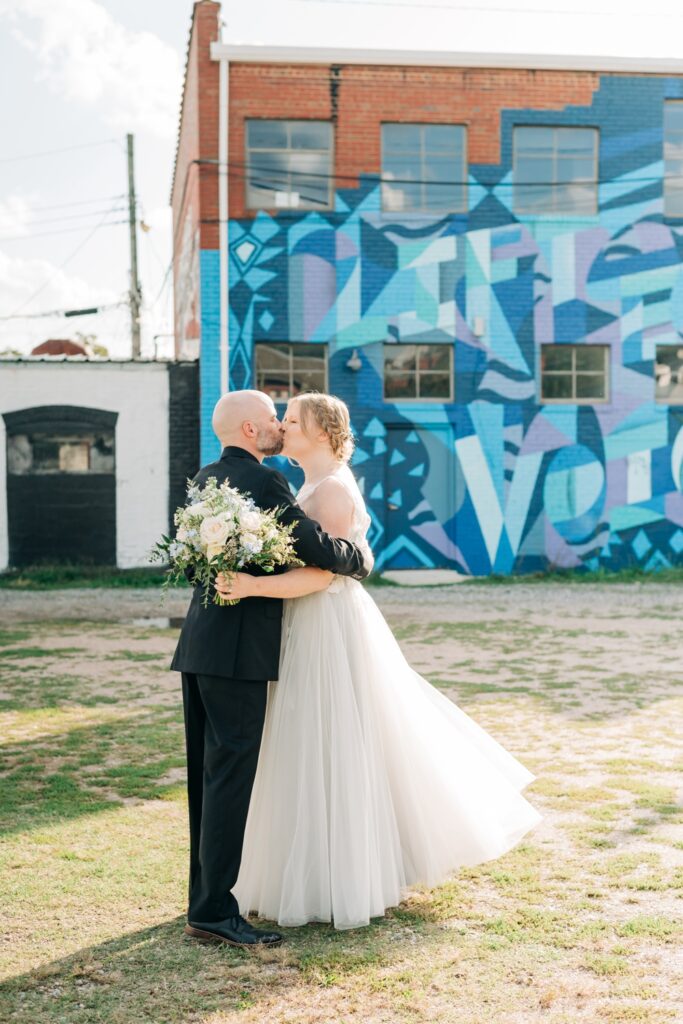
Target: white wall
138, 392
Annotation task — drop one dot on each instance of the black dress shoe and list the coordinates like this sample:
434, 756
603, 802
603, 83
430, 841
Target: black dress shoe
235, 931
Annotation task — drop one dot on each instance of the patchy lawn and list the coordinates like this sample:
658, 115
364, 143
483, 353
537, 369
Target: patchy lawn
581, 922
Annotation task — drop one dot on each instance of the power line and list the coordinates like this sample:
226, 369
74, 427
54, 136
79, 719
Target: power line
70, 313
74, 252
64, 149
77, 202
65, 231
70, 216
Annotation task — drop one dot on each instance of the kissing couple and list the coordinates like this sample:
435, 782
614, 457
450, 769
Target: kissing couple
324, 775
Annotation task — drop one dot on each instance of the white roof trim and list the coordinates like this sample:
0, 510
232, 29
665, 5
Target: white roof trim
256, 54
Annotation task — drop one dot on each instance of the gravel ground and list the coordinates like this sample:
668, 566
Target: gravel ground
461, 602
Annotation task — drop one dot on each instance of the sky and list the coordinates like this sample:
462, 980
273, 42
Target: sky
79, 74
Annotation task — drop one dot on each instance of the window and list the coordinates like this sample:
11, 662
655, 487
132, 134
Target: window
555, 170
46, 453
424, 167
574, 373
669, 374
673, 158
289, 164
418, 372
285, 370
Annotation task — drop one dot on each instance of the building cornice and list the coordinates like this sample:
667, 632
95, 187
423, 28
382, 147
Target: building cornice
262, 54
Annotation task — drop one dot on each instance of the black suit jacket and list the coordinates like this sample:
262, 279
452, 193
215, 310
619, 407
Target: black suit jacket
242, 641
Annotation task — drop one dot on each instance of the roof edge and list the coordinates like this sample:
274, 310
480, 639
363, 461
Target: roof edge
275, 54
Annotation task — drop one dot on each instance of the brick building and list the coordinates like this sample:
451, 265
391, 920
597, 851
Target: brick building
482, 254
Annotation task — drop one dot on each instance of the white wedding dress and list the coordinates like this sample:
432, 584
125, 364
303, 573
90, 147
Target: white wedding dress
369, 779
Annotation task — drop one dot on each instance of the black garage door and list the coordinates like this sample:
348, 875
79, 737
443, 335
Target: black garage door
61, 486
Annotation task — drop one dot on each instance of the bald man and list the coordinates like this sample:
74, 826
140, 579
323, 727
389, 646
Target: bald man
226, 656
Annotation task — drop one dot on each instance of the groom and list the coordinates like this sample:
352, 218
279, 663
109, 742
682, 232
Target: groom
226, 655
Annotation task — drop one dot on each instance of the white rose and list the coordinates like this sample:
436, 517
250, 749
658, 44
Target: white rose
214, 533
250, 521
181, 534
213, 551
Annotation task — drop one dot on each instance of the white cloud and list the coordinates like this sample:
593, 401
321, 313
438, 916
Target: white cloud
14, 215
20, 278
134, 78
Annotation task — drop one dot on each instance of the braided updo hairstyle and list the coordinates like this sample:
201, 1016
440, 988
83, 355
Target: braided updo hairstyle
330, 415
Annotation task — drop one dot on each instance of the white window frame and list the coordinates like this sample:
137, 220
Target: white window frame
394, 400
574, 348
458, 175
290, 367
300, 205
552, 209
658, 398
677, 188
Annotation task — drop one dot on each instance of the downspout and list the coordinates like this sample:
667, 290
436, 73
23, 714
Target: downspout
223, 224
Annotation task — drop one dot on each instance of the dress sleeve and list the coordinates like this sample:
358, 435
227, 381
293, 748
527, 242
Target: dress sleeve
313, 546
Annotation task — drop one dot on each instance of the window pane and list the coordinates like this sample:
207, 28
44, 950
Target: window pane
272, 357
273, 385
400, 385
576, 199
556, 386
401, 138
310, 135
440, 168
590, 357
401, 170
102, 455
435, 357
444, 138
534, 169
267, 134
308, 380
399, 358
435, 385
674, 202
573, 168
673, 116
590, 385
669, 374
540, 139
556, 357
443, 197
576, 140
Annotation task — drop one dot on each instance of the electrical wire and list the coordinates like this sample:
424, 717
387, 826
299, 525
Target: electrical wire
72, 216
74, 252
66, 231
63, 312
53, 152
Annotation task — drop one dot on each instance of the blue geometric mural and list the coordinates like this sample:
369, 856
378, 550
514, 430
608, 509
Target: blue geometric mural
494, 481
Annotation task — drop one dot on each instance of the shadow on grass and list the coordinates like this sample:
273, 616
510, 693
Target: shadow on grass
85, 769
160, 974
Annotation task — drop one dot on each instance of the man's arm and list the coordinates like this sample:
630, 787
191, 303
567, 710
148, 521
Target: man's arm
313, 546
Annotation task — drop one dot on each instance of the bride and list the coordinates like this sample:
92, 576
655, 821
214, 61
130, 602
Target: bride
369, 779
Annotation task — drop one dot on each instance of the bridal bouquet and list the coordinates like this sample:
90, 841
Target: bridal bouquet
221, 530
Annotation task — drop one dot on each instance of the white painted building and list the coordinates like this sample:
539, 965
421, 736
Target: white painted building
93, 457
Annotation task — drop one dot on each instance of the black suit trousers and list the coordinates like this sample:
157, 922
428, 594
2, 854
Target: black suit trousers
223, 728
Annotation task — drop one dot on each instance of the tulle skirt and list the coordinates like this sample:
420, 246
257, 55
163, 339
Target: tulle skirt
369, 779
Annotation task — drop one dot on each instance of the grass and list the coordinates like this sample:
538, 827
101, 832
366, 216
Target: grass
59, 577
579, 922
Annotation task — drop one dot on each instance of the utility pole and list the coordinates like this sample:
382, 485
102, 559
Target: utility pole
135, 296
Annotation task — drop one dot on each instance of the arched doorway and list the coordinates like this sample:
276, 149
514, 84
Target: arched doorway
61, 485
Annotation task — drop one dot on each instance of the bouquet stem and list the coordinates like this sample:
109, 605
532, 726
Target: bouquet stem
223, 601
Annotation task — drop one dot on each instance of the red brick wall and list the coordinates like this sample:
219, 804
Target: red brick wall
194, 195
360, 98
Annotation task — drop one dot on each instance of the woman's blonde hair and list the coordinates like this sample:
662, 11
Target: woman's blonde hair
330, 415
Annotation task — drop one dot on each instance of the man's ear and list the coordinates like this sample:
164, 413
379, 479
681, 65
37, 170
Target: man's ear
249, 429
